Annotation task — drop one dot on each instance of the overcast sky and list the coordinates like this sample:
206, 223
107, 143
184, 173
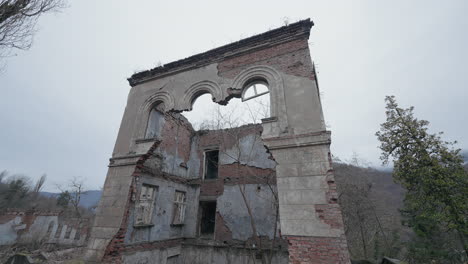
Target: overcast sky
62, 100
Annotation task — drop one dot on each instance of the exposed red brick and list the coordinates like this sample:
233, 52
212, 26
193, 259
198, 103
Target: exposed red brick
318, 250
291, 58
222, 232
116, 246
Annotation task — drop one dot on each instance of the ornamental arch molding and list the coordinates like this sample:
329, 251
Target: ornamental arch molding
164, 99
198, 89
275, 85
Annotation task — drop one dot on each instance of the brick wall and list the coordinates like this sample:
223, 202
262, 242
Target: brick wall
291, 58
317, 250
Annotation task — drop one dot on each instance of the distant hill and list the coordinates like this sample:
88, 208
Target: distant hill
370, 202
88, 199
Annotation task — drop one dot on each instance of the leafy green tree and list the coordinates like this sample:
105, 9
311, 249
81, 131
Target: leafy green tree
431, 170
14, 192
63, 200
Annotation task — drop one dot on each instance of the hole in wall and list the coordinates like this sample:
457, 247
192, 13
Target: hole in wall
252, 106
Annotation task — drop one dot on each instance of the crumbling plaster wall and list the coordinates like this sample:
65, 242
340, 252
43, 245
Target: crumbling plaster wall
232, 209
173, 152
162, 213
243, 163
198, 254
231, 226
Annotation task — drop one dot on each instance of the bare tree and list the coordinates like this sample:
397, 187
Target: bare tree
372, 227
73, 192
18, 20
39, 184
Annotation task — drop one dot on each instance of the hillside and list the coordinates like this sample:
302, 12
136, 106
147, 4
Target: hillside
88, 199
370, 202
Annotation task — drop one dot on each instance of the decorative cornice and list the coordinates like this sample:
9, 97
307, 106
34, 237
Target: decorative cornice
298, 30
303, 140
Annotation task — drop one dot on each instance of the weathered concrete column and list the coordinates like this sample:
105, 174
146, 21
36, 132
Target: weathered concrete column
310, 215
110, 211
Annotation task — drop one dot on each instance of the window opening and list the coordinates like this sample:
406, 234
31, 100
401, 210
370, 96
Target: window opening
68, 232
58, 231
145, 204
208, 216
78, 232
179, 208
250, 107
211, 164
152, 128
49, 229
173, 259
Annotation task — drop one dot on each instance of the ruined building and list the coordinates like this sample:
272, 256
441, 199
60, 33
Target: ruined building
177, 195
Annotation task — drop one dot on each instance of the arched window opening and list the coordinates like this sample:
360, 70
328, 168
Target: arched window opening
252, 106
156, 116
203, 110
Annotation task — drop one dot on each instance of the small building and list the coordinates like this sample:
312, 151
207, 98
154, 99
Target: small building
42, 227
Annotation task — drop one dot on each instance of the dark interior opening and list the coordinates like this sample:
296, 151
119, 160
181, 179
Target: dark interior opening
208, 216
211, 164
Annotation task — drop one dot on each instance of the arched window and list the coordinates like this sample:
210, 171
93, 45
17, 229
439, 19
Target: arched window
256, 100
252, 106
153, 128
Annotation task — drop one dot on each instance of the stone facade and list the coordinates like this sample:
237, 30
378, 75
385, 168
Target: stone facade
282, 165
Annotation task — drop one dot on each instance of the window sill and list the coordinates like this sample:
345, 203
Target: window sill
269, 119
145, 140
143, 225
210, 180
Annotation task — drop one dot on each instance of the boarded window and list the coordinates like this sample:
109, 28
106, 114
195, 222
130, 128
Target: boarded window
211, 164
145, 204
208, 216
179, 208
153, 127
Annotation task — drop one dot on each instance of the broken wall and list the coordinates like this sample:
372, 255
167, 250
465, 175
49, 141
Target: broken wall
295, 135
236, 170
243, 163
26, 227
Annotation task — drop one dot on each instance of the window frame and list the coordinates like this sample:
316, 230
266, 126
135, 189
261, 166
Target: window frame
205, 164
142, 202
202, 207
159, 108
251, 85
179, 209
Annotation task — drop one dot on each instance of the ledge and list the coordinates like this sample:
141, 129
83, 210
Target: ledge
269, 119
145, 140
302, 140
143, 225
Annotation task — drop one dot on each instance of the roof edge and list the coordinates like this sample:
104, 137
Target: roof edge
300, 29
